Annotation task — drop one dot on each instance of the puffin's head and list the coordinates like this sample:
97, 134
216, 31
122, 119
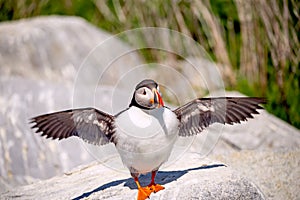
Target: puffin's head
146, 95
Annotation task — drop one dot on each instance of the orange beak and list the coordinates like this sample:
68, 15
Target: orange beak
158, 99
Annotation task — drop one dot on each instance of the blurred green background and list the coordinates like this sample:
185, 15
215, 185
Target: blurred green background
257, 41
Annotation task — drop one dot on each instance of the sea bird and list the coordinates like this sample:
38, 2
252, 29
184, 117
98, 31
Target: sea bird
145, 132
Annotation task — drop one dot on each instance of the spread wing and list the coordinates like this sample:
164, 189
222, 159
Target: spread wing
200, 113
92, 125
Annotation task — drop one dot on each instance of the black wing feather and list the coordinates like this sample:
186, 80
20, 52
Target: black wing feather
90, 124
200, 113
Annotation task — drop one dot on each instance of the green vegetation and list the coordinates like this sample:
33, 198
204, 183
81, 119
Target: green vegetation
257, 42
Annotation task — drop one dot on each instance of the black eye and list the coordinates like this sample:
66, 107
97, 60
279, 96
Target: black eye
144, 92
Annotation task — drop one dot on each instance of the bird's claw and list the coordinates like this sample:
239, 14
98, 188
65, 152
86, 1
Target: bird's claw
155, 187
144, 193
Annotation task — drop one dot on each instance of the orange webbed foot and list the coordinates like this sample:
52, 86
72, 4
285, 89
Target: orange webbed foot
155, 187
144, 193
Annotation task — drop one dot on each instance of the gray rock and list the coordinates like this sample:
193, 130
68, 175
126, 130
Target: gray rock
191, 177
57, 48
276, 173
26, 156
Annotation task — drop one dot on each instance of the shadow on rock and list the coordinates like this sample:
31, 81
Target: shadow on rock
162, 177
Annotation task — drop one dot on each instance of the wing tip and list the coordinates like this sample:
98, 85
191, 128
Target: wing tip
260, 100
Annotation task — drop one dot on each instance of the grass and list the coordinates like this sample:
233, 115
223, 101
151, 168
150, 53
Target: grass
256, 41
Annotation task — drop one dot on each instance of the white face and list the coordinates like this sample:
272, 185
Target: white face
145, 97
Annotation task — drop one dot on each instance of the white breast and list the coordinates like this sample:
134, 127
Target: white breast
145, 138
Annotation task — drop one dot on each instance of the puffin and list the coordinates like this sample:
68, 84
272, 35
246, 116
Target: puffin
144, 133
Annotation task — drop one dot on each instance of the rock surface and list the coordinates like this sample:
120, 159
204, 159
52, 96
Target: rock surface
26, 156
190, 177
276, 173
55, 48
